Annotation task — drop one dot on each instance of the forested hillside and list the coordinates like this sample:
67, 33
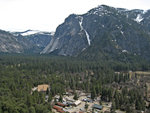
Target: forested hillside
20, 73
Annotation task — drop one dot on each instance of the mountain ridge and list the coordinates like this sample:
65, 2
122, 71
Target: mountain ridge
128, 32
102, 32
29, 41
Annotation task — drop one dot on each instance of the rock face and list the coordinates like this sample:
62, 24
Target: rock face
103, 30
36, 41
24, 42
9, 44
70, 37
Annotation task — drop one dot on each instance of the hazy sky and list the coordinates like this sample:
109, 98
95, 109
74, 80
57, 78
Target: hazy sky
46, 15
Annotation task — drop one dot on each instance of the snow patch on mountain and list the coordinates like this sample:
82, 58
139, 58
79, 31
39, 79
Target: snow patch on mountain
101, 11
29, 32
138, 18
122, 32
52, 33
32, 32
83, 49
145, 11
124, 51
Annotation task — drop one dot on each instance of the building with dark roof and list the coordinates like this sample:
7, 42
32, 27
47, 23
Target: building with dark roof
96, 106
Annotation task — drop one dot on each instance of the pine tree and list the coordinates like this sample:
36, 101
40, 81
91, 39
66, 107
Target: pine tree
60, 98
117, 102
113, 105
128, 109
86, 106
32, 110
29, 101
138, 105
93, 93
50, 98
75, 96
47, 91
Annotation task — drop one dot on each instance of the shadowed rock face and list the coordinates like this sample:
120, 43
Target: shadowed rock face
104, 30
35, 42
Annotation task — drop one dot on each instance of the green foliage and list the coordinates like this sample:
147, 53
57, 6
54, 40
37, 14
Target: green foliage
19, 74
86, 106
125, 100
93, 93
113, 106
32, 110
49, 98
75, 96
60, 98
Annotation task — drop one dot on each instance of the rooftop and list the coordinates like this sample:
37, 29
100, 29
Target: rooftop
96, 106
42, 87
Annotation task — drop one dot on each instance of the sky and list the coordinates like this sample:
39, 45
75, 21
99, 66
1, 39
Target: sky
46, 15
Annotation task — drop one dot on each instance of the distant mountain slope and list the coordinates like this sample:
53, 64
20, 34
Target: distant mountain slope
8, 43
103, 31
68, 39
24, 42
36, 40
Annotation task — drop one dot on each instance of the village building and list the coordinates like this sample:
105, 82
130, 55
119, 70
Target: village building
98, 107
42, 88
81, 112
78, 102
58, 109
60, 104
